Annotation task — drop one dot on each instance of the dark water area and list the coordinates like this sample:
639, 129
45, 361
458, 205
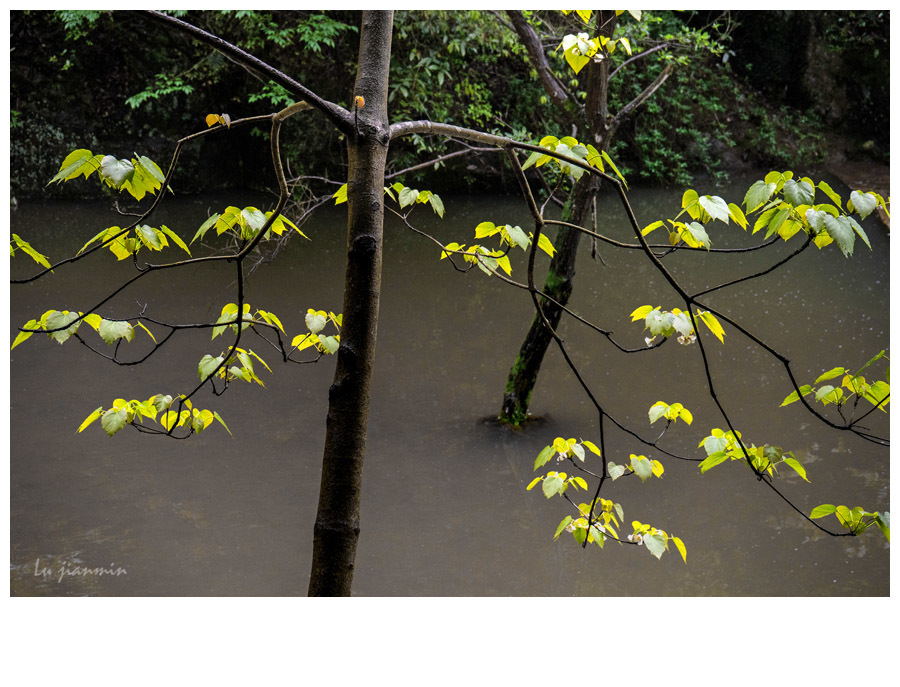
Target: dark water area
444, 510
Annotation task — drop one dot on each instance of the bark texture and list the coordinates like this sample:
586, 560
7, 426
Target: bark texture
337, 525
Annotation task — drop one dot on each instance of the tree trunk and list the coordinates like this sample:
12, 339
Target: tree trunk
336, 530
599, 130
524, 372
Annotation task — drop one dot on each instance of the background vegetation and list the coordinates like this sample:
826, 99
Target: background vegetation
775, 90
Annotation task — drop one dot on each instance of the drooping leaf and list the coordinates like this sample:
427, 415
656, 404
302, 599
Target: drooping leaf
30, 252
111, 330
22, 336
552, 485
562, 526
712, 460
89, 419
544, 456
208, 365
114, 419
57, 319
642, 468
797, 467
655, 543
710, 321
175, 238
840, 229
682, 549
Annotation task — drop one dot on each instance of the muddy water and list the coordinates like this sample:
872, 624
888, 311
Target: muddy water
445, 511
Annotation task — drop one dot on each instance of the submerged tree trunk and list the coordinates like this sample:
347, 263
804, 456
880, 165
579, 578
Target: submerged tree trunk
336, 530
524, 372
598, 130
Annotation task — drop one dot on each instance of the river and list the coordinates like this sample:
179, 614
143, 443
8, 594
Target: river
445, 511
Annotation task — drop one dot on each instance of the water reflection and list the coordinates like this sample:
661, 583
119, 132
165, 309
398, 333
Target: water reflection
445, 511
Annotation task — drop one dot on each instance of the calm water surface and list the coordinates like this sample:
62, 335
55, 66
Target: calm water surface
445, 511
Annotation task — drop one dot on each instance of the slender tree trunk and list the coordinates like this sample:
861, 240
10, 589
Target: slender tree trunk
599, 130
336, 530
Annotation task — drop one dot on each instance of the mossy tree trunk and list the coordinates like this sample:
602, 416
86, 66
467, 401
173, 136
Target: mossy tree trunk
598, 128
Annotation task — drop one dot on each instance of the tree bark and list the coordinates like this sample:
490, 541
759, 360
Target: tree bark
600, 127
337, 527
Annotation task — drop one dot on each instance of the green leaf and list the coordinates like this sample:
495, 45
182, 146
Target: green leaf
641, 467
712, 460
437, 204
863, 203
831, 374
883, 520
22, 336
716, 207
316, 321
515, 236
562, 526
116, 171
31, 252
407, 196
859, 230
698, 233
615, 471
799, 193
710, 321
57, 319
805, 389
149, 236
799, 469
544, 456
822, 511
77, 162
757, 194
114, 419
89, 419
205, 226
657, 410
592, 447
208, 365
175, 238
655, 543
222, 422
778, 218
614, 168
823, 391
552, 485
329, 343
111, 330
840, 229
828, 191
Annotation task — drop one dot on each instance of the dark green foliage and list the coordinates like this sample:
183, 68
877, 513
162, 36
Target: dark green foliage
733, 100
